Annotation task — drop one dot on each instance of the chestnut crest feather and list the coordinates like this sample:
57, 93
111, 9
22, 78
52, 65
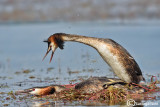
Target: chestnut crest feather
54, 41
58, 39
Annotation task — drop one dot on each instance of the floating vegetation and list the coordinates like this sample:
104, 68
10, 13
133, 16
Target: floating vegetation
50, 69
27, 71
32, 77
93, 61
11, 94
90, 70
5, 85
73, 80
17, 72
110, 96
5, 104
2, 92
73, 72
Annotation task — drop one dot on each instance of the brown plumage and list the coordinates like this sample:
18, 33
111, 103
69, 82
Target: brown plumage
95, 84
126, 60
46, 90
117, 57
91, 85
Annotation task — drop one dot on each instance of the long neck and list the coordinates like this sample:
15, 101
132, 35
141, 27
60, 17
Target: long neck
91, 41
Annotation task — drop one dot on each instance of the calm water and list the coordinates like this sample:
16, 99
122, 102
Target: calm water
21, 48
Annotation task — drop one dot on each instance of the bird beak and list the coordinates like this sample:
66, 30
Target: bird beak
48, 50
53, 50
50, 47
26, 91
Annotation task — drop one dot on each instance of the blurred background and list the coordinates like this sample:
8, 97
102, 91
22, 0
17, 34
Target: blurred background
12, 11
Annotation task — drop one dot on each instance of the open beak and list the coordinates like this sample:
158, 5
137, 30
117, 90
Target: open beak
50, 47
47, 53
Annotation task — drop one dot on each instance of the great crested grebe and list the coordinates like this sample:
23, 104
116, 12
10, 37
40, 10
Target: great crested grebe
46, 90
95, 84
91, 85
117, 57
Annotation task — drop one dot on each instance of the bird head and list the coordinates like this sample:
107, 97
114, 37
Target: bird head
33, 91
54, 41
39, 91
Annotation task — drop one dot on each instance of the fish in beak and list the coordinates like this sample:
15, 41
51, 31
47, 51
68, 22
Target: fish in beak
51, 46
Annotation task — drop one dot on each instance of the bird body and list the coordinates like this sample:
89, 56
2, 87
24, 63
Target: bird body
96, 84
117, 57
91, 85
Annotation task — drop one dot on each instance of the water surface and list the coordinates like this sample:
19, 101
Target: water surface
22, 48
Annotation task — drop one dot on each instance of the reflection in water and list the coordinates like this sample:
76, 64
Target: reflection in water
2, 66
43, 103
